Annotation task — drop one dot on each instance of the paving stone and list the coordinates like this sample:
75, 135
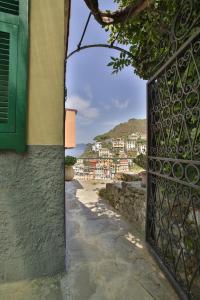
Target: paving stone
108, 258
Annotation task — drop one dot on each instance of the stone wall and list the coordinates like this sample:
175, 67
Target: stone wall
128, 177
129, 198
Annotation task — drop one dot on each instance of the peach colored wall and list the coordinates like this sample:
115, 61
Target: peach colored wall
70, 128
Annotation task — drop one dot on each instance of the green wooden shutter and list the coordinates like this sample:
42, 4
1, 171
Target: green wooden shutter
13, 74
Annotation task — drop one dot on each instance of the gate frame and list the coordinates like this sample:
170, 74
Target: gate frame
161, 264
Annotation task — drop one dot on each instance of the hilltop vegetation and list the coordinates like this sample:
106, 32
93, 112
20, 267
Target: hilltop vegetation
124, 129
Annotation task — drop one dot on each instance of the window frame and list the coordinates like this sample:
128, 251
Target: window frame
16, 140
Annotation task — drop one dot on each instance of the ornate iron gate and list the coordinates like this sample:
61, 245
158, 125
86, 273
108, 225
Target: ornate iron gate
173, 205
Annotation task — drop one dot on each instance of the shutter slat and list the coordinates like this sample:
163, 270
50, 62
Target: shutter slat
4, 55
3, 42
3, 51
4, 90
3, 39
4, 61
4, 94
4, 64
13, 73
9, 7
4, 67
3, 47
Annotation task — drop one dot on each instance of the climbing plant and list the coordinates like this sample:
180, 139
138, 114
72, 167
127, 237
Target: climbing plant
143, 36
144, 28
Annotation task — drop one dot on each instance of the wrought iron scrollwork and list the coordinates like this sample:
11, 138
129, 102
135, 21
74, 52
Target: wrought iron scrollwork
173, 207
185, 22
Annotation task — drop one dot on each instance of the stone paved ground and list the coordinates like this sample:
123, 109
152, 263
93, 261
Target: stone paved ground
107, 258
47, 288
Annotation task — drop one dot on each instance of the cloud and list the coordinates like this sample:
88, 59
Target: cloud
86, 112
120, 104
107, 107
88, 91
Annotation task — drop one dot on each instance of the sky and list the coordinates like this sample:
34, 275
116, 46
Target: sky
103, 100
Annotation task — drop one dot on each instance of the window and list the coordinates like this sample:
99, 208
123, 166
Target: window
13, 74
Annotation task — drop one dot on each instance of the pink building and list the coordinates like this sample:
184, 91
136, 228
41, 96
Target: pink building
70, 128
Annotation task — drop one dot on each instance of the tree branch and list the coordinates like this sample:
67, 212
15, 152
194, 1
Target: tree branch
118, 16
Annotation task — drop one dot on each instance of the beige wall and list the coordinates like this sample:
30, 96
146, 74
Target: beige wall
70, 128
46, 79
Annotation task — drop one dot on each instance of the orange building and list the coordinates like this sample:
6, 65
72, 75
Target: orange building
70, 128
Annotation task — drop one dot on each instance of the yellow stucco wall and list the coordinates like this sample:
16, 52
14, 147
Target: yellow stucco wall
46, 73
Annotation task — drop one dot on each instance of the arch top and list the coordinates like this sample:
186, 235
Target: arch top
100, 46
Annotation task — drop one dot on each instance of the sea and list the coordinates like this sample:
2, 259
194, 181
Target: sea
80, 148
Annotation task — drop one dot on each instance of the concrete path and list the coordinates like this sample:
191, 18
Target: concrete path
107, 258
46, 288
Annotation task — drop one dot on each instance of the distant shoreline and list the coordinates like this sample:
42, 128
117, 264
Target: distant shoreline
80, 148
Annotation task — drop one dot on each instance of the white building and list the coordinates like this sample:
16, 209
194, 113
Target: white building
79, 161
118, 144
141, 148
134, 136
104, 152
79, 168
131, 141
96, 147
99, 172
130, 145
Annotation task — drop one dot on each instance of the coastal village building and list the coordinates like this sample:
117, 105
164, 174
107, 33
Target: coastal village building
130, 145
97, 146
122, 154
32, 216
122, 166
104, 152
79, 168
136, 141
123, 149
103, 170
131, 142
100, 171
88, 169
98, 168
141, 148
134, 136
118, 144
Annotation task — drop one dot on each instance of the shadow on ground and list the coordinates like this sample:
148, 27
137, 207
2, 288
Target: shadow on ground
107, 258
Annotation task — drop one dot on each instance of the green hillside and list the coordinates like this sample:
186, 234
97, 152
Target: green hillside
124, 129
